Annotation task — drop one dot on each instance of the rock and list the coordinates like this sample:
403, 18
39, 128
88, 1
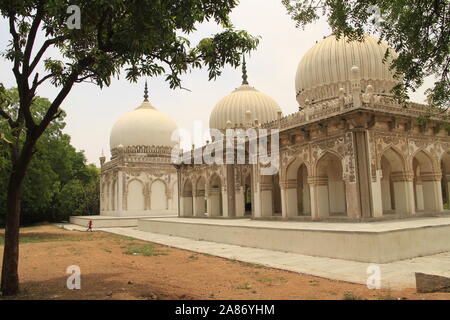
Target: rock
426, 283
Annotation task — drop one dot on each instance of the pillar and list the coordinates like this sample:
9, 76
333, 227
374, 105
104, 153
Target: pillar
432, 192
319, 197
266, 208
404, 192
291, 198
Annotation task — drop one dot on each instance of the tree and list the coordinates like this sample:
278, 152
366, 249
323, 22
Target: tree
143, 37
419, 30
48, 193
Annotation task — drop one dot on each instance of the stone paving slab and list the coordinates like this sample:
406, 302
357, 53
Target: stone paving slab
394, 275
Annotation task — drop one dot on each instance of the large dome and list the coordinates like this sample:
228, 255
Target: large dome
326, 68
144, 126
234, 108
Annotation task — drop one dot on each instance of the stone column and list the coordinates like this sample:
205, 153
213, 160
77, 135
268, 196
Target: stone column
363, 192
319, 197
291, 198
266, 199
240, 202
419, 195
448, 189
432, 192
230, 193
403, 192
377, 195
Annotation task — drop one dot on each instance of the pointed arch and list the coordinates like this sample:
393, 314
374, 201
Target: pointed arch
135, 195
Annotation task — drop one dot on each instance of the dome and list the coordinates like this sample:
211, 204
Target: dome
144, 126
234, 108
329, 65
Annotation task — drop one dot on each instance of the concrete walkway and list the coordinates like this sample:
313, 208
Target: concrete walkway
395, 275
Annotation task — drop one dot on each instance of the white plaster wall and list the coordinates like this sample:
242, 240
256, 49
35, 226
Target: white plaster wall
158, 197
374, 247
135, 196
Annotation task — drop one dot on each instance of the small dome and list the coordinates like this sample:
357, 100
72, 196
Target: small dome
331, 64
144, 126
243, 102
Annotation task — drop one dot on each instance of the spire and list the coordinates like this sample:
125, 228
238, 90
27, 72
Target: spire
244, 71
146, 92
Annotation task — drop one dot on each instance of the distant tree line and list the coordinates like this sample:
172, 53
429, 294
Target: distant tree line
59, 182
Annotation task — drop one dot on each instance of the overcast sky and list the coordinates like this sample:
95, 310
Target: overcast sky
91, 112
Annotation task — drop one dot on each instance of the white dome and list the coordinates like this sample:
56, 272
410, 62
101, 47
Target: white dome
234, 107
327, 67
144, 126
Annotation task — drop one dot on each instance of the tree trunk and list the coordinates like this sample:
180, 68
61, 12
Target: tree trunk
10, 276
10, 272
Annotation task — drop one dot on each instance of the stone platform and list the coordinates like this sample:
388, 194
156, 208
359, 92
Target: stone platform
374, 242
114, 222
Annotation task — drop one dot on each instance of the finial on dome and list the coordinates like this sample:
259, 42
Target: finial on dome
146, 92
244, 71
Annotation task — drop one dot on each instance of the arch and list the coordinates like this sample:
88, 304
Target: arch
427, 183
112, 194
298, 201
215, 201
158, 195
395, 158
397, 190
330, 186
135, 197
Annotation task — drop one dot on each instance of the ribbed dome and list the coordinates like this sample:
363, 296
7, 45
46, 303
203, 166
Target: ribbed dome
234, 107
326, 67
144, 126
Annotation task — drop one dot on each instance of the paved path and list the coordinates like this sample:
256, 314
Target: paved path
394, 275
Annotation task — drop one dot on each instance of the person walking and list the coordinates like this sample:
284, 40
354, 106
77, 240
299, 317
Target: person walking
89, 226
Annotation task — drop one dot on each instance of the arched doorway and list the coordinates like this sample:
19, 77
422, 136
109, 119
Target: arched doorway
158, 197
215, 206
396, 186
276, 195
427, 184
200, 198
330, 187
298, 201
248, 196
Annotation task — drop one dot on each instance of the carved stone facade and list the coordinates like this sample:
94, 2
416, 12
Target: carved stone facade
139, 180
361, 156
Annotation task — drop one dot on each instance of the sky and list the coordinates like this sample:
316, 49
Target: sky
91, 111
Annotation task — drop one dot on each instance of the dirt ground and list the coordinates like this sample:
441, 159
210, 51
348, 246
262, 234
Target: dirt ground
116, 267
